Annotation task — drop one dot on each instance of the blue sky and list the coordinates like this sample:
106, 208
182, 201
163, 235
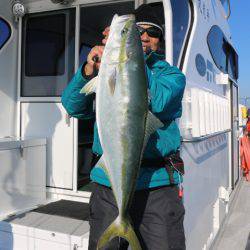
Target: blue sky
240, 28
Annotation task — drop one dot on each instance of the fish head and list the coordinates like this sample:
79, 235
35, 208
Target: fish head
124, 42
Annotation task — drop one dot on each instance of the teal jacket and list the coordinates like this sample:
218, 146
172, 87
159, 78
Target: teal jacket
166, 86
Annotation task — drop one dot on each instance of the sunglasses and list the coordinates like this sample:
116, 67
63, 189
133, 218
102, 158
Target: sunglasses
151, 31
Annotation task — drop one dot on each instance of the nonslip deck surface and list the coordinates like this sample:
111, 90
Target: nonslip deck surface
65, 208
235, 234
66, 217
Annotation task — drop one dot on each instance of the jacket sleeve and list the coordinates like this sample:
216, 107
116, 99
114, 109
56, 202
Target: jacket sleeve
166, 87
76, 104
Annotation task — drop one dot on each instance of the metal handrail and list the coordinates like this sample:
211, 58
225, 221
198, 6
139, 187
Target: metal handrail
202, 138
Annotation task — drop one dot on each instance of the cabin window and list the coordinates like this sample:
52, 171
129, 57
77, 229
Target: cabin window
181, 17
5, 32
48, 53
216, 43
223, 54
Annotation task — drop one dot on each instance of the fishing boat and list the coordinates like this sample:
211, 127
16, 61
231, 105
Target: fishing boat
45, 155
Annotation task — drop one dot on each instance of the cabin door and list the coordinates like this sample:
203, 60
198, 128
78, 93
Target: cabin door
48, 64
235, 137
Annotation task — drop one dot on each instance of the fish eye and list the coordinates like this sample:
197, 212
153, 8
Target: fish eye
124, 31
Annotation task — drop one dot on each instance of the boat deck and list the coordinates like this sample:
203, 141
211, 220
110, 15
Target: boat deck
59, 225
235, 234
66, 223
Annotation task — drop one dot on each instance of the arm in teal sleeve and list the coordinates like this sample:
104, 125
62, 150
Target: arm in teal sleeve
166, 87
76, 104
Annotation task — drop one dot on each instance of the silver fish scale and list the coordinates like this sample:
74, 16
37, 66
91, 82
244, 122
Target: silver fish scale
121, 117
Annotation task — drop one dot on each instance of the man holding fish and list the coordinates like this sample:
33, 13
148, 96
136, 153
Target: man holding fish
137, 194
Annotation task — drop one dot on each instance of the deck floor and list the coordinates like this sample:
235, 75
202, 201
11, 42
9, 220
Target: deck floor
66, 217
235, 234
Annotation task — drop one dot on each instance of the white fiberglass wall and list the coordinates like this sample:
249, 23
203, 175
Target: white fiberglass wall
8, 69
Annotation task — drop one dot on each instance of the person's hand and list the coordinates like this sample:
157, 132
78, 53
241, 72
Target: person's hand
106, 35
93, 60
95, 55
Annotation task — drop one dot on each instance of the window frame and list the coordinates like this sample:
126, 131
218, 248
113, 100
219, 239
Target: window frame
235, 57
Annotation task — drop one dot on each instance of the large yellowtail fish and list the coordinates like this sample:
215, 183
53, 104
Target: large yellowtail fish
123, 119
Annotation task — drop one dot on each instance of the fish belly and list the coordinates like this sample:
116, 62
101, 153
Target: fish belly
121, 120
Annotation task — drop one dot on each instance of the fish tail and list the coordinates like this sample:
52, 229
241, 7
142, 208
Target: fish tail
120, 228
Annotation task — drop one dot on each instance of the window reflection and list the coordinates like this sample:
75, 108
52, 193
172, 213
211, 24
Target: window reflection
180, 10
48, 53
5, 32
223, 54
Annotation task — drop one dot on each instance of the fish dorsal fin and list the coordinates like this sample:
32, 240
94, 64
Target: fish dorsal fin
152, 124
112, 81
90, 87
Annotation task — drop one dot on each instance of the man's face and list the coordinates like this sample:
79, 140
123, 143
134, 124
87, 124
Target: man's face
148, 42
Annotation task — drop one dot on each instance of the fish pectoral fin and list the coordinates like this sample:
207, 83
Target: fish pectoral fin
112, 81
152, 124
101, 164
90, 87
